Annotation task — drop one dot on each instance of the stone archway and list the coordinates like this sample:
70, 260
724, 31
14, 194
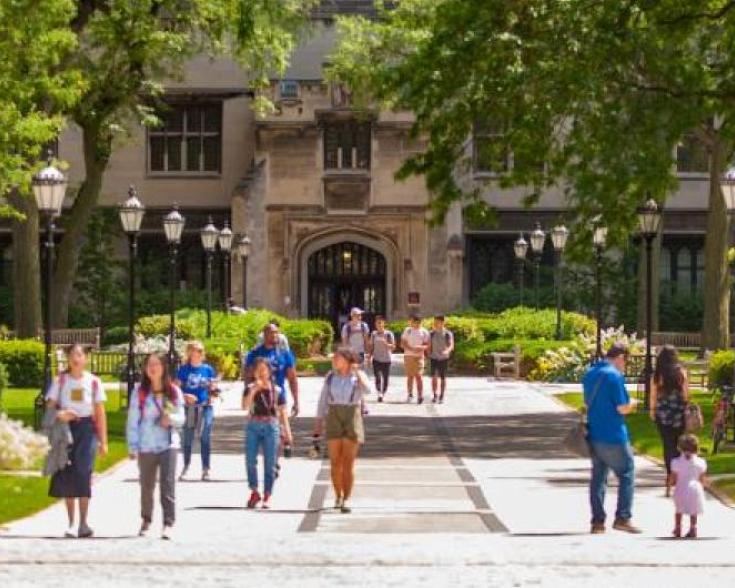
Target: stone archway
367, 281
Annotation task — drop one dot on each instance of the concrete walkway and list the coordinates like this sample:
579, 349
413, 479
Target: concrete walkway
473, 492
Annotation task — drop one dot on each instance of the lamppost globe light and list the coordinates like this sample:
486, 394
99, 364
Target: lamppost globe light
225, 238
728, 188
649, 218
49, 188
538, 237
243, 247
599, 236
559, 236
131, 212
173, 226
210, 236
520, 247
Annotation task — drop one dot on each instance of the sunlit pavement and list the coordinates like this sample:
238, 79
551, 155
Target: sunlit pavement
476, 491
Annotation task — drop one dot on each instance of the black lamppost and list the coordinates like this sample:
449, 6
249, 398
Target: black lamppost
209, 235
49, 189
599, 239
225, 245
520, 247
559, 236
243, 250
538, 238
173, 227
131, 217
649, 218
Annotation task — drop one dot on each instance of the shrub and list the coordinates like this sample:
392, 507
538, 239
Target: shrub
4, 381
225, 363
721, 365
498, 297
23, 359
680, 311
20, 447
568, 363
158, 324
527, 323
115, 336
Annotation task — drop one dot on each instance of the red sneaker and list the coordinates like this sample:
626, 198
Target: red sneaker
254, 499
266, 498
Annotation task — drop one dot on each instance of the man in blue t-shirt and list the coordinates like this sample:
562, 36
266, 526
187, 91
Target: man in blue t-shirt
283, 367
607, 402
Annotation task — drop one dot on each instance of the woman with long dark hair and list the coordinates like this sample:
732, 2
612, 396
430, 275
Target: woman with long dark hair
669, 398
156, 413
339, 412
79, 399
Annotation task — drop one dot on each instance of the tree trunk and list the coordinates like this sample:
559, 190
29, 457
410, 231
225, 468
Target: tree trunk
26, 268
96, 156
715, 327
655, 281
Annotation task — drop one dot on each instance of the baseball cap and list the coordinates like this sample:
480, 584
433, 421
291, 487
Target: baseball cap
356, 310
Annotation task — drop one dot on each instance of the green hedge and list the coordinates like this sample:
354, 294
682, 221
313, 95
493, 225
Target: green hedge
306, 337
23, 359
721, 365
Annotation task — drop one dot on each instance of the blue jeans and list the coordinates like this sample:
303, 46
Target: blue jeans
265, 434
619, 459
205, 440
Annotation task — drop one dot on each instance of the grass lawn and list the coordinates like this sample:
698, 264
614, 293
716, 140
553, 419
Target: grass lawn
646, 440
21, 496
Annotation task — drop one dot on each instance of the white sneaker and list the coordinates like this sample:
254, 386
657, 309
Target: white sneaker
182, 476
167, 532
70, 533
145, 528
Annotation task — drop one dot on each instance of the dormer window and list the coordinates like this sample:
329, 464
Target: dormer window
288, 90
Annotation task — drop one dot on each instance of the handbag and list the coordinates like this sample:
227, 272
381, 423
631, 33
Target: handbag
576, 440
693, 418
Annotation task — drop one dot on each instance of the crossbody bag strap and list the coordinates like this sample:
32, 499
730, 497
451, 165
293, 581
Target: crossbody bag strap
593, 397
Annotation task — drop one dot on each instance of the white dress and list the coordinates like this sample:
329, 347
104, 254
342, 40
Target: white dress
688, 492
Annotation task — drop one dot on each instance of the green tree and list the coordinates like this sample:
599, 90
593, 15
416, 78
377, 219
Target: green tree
125, 50
34, 93
100, 286
601, 92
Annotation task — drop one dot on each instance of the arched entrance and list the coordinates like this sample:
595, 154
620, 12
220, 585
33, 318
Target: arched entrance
343, 275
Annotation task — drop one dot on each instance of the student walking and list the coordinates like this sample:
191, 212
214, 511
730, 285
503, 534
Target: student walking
441, 345
356, 334
156, 413
669, 398
339, 414
78, 398
261, 399
198, 381
382, 344
688, 473
283, 368
415, 343
607, 402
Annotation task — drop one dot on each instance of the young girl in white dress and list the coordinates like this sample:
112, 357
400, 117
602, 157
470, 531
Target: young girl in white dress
687, 472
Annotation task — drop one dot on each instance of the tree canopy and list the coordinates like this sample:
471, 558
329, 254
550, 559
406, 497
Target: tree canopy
600, 91
35, 91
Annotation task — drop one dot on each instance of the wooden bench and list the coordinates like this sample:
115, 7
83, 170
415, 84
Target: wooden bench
89, 338
507, 364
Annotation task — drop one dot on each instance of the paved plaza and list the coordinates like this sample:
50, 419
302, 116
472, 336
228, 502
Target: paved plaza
474, 492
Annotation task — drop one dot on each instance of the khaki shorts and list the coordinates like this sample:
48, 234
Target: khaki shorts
414, 365
345, 422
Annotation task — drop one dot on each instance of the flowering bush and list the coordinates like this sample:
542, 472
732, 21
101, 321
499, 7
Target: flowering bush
569, 363
20, 447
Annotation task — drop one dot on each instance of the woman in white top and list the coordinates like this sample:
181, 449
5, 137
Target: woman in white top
339, 412
79, 397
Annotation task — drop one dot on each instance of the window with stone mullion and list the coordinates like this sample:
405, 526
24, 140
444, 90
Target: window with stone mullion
347, 145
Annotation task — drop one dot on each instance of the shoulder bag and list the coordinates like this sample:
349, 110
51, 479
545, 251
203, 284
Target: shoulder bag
576, 440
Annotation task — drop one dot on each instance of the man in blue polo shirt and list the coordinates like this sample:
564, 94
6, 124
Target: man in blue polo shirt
608, 402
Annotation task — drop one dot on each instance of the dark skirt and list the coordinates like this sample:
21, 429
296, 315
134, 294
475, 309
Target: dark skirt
75, 480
